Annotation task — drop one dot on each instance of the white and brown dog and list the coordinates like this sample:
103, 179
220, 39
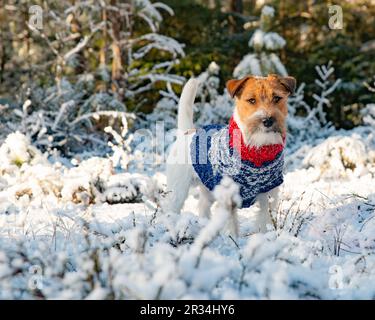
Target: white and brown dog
249, 150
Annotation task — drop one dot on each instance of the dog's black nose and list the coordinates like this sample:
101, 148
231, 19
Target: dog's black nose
268, 122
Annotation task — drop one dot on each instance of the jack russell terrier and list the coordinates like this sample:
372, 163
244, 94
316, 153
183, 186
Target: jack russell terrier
249, 150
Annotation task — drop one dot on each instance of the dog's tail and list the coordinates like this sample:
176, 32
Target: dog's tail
185, 106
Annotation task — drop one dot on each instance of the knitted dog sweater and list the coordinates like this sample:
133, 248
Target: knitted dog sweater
218, 151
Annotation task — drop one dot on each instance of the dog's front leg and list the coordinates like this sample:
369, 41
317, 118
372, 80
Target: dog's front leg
205, 202
268, 203
274, 199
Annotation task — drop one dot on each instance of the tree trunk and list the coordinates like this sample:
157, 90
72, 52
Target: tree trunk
75, 27
102, 51
4, 28
102, 56
117, 66
236, 6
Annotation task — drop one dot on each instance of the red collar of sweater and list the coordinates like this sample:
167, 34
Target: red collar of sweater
257, 155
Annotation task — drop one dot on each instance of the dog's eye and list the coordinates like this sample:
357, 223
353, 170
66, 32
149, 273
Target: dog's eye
252, 101
276, 99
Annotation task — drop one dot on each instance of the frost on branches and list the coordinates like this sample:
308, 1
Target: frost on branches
211, 105
72, 110
313, 124
86, 230
368, 113
78, 224
264, 44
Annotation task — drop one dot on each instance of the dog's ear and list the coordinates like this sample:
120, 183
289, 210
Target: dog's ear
289, 83
235, 86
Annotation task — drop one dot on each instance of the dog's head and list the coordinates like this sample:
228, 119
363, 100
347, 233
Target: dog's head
261, 107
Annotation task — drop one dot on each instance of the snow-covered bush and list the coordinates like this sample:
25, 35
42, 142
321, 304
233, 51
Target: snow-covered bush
65, 121
132, 259
327, 88
339, 156
264, 43
25, 171
69, 112
96, 181
212, 106
306, 123
16, 151
130, 188
93, 227
85, 231
121, 147
368, 113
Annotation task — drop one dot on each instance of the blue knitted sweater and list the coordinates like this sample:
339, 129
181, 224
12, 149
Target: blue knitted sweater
213, 157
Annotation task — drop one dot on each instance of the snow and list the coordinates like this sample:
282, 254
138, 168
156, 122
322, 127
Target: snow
268, 11
267, 40
160, 42
369, 114
248, 63
92, 226
263, 43
92, 232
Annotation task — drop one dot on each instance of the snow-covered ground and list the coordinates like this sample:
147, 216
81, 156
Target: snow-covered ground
83, 230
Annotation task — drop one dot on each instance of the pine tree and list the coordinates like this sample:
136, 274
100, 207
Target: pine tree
264, 43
